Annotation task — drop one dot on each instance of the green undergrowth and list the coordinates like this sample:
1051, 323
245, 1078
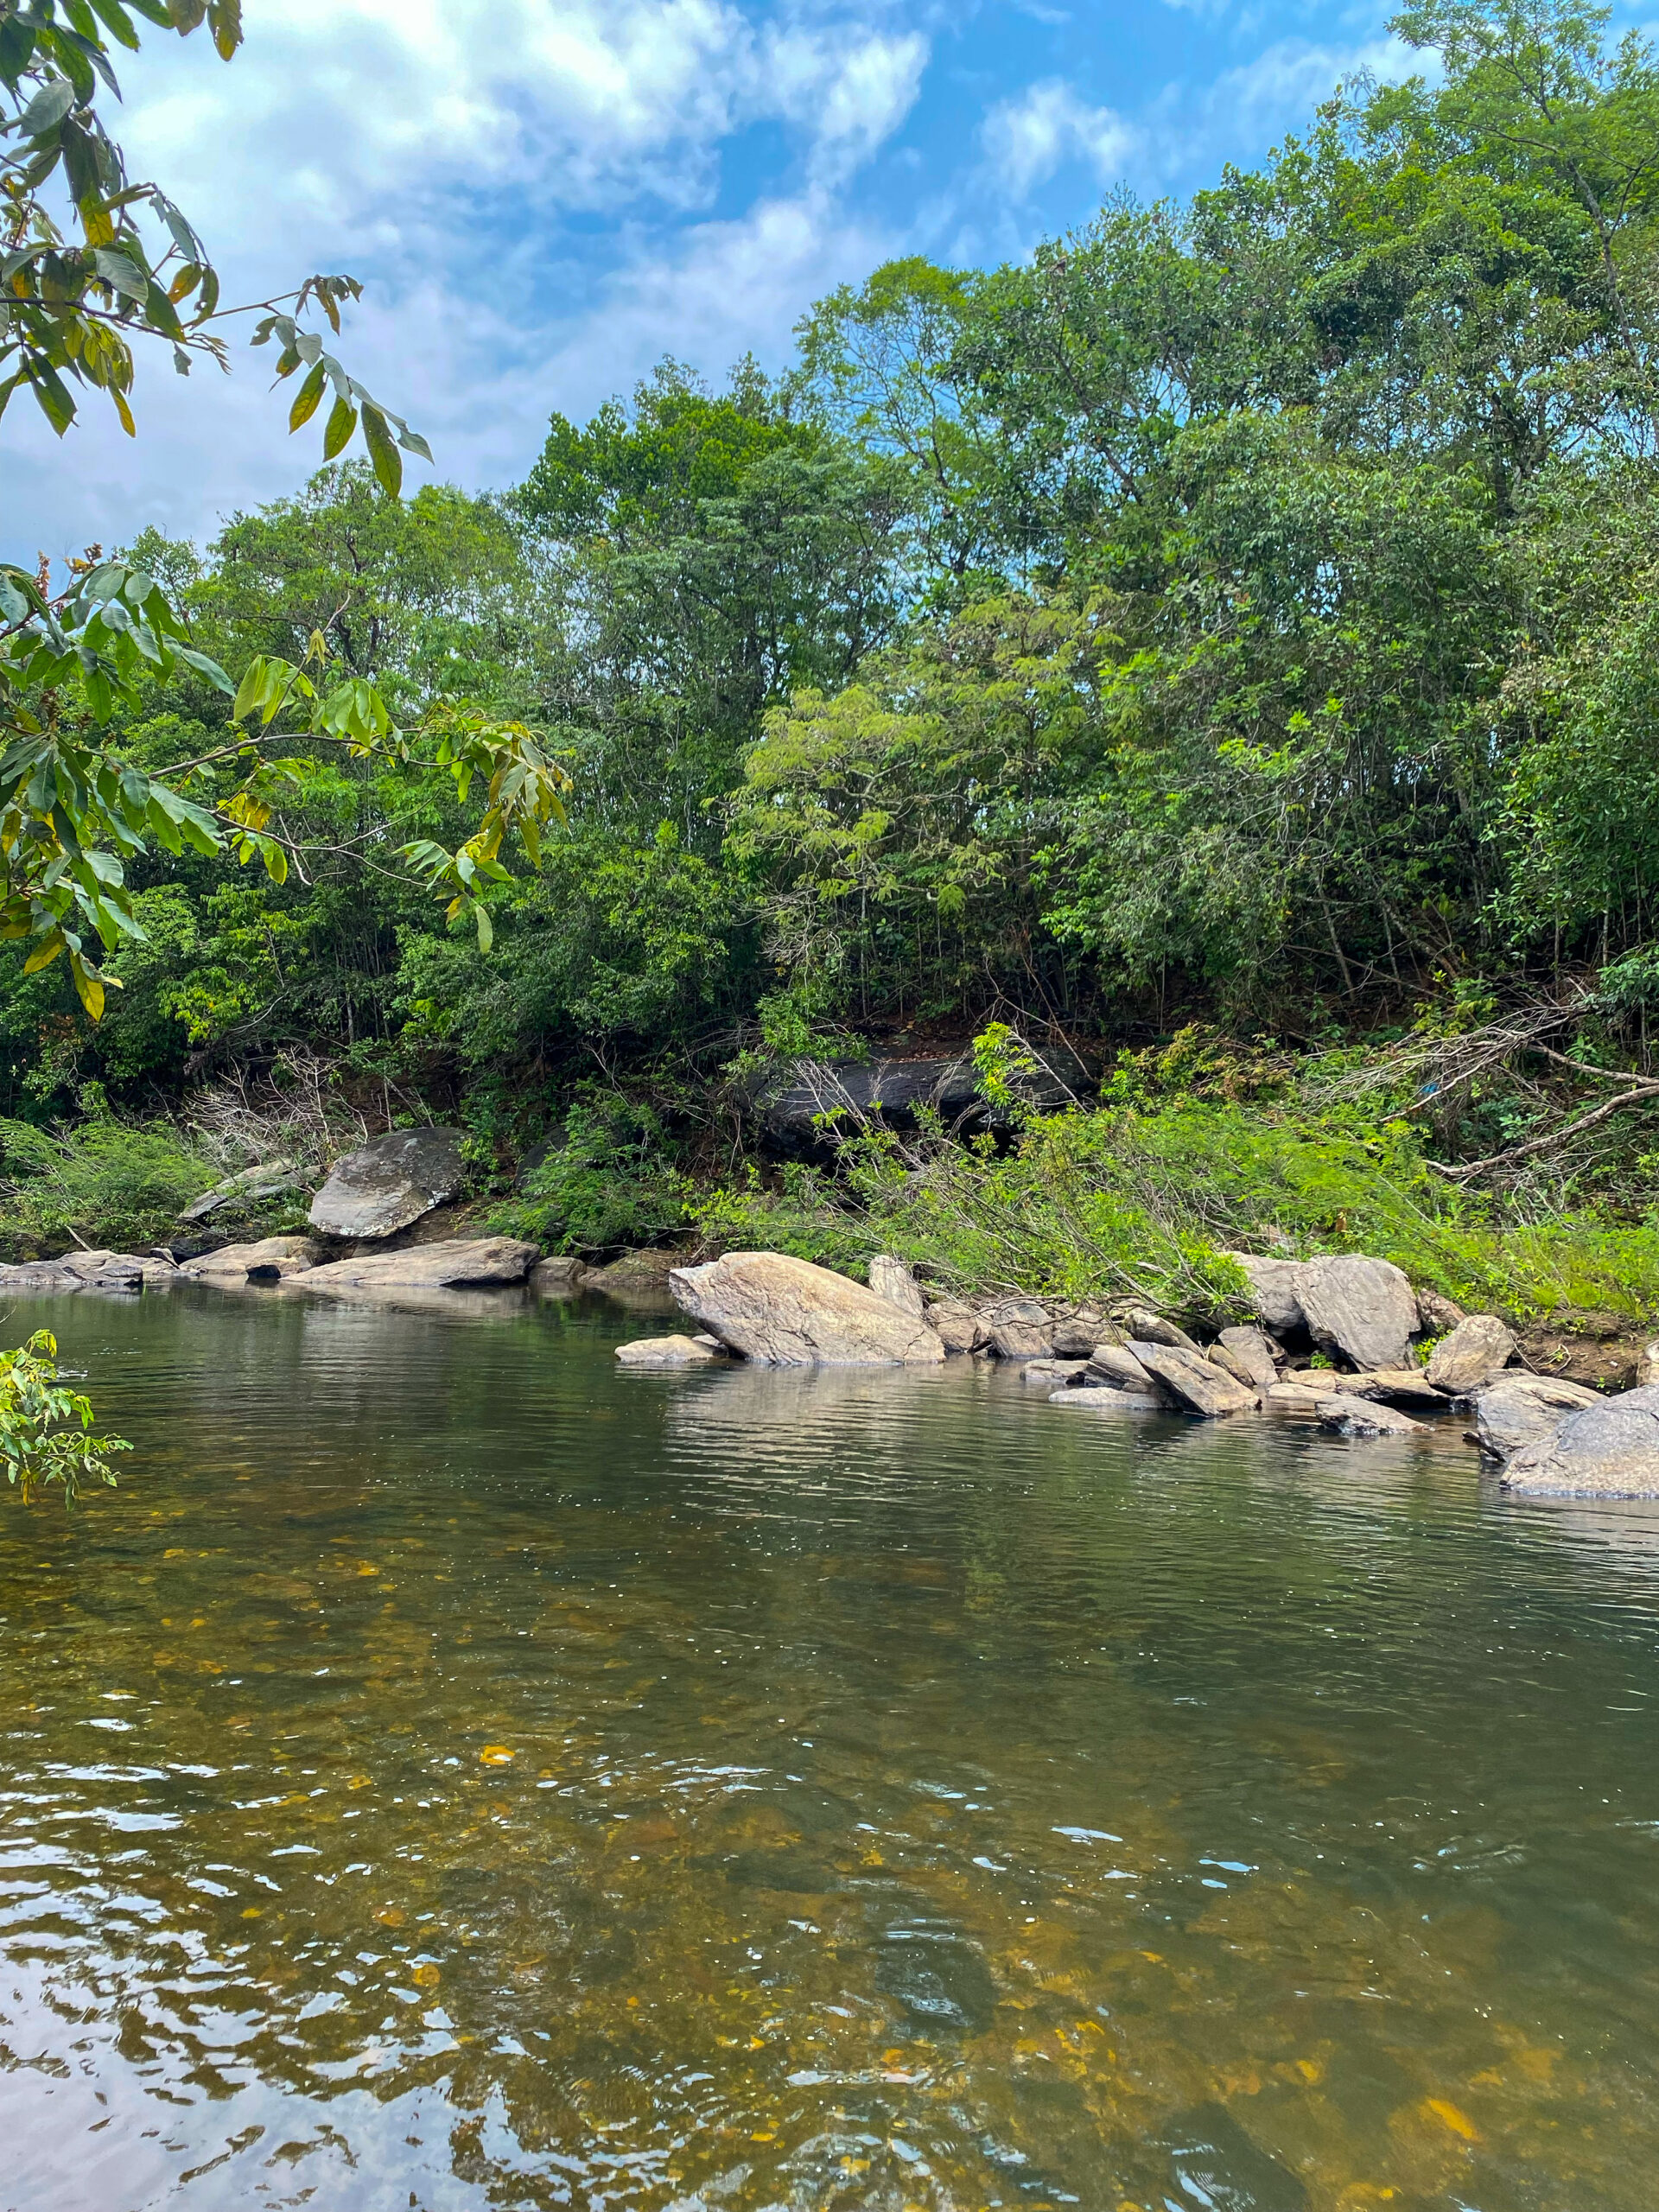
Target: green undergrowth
1129, 1203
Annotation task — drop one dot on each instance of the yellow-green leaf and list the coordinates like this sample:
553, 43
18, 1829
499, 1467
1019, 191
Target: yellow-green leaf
342, 421
307, 398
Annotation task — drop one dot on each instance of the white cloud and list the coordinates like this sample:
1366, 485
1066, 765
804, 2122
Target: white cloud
1029, 138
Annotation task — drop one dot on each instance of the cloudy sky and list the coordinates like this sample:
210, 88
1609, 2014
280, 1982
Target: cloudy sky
545, 196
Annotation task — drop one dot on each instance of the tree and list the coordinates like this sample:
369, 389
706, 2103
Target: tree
72, 812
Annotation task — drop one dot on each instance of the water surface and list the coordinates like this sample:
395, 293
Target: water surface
452, 1773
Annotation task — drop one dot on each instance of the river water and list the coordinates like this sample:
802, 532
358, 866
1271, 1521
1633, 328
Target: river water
452, 1773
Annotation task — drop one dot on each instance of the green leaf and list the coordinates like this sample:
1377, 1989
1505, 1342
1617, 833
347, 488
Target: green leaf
342, 421
56, 405
383, 452
308, 398
485, 930
204, 666
47, 108
251, 689
120, 271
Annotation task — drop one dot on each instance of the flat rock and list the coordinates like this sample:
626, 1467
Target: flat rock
1607, 1450
1020, 1328
1297, 1397
1110, 1402
1362, 1308
1522, 1409
670, 1352
1115, 1367
74, 1271
1276, 1288
390, 1184
1199, 1385
960, 1327
1362, 1417
270, 1260
1396, 1385
475, 1263
890, 1278
783, 1312
1479, 1347
1258, 1352
1035, 1371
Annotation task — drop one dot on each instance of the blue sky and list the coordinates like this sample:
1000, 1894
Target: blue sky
545, 199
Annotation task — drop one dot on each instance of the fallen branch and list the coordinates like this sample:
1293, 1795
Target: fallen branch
1553, 1138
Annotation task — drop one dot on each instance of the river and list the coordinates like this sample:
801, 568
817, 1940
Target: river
451, 1773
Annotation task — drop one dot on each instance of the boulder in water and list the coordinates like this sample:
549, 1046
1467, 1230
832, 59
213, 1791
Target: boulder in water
1196, 1382
1362, 1308
1479, 1347
389, 1184
1522, 1409
471, 1263
1607, 1450
1364, 1417
272, 1259
669, 1352
783, 1312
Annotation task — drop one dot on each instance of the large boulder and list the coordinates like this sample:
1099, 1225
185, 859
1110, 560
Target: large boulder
786, 1313
1275, 1289
802, 1107
1193, 1380
1361, 1308
1522, 1409
390, 1184
1607, 1450
1021, 1328
1479, 1347
1115, 1367
474, 1262
960, 1327
271, 1259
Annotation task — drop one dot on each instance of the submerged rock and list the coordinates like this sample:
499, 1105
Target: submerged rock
1110, 1402
474, 1262
1362, 1308
1479, 1347
670, 1352
1199, 1385
390, 1184
270, 1260
786, 1313
1363, 1417
1607, 1450
1522, 1409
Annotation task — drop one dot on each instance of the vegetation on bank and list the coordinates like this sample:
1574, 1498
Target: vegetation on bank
1223, 642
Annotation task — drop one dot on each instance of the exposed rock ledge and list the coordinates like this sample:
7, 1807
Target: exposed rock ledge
781, 1312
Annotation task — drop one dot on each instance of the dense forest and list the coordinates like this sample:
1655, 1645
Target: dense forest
1224, 642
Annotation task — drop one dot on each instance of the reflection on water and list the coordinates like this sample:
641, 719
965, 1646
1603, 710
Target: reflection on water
452, 1773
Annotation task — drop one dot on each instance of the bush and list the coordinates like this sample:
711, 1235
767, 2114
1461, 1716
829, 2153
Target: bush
612, 1182
106, 1183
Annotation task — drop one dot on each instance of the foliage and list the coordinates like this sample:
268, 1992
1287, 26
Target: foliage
45, 1429
104, 1182
606, 1181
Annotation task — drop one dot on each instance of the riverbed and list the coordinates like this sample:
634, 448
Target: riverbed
451, 1772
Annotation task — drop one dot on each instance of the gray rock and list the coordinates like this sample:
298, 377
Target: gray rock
76, 1271
1258, 1353
669, 1352
557, 1276
1607, 1450
1051, 1371
1360, 1417
785, 1312
263, 1180
476, 1263
1201, 1387
1522, 1409
1225, 1357
1395, 1386
1110, 1402
1297, 1397
1362, 1308
1153, 1329
1647, 1366
801, 1107
890, 1278
1077, 1330
390, 1184
1440, 1315
960, 1326
1275, 1286
1115, 1367
270, 1260
1479, 1347
1020, 1328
